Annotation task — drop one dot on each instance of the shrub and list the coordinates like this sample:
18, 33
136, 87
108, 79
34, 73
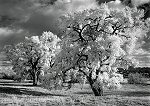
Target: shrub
46, 81
17, 78
9, 76
2, 75
135, 78
49, 82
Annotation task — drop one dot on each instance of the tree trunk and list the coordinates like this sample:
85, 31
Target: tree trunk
98, 91
35, 79
96, 87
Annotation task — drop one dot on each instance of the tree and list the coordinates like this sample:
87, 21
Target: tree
97, 42
34, 54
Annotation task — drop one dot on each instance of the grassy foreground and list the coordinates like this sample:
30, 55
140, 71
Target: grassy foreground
23, 94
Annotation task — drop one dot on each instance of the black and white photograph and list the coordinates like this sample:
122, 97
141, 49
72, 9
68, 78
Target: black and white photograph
74, 52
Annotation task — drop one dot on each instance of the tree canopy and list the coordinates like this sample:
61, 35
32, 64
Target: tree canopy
34, 54
97, 42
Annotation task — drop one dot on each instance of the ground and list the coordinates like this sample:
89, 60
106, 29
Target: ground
24, 94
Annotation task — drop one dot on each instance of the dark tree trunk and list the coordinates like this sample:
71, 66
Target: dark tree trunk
97, 88
98, 91
35, 79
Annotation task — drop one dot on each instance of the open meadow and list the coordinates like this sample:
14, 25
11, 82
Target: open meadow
24, 94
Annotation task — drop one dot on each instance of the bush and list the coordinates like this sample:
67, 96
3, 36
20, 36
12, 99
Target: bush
17, 78
8, 76
50, 82
45, 81
2, 75
135, 78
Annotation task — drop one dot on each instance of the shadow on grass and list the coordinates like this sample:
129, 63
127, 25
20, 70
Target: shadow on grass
24, 91
83, 92
130, 93
11, 87
138, 93
27, 83
122, 93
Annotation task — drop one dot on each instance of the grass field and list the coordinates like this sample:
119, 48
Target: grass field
24, 94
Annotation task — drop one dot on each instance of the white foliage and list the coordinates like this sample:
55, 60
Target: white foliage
110, 81
101, 39
35, 50
50, 40
114, 83
116, 43
35, 39
103, 77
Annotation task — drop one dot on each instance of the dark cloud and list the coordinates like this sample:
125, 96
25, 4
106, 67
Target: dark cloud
39, 22
146, 45
34, 16
12, 36
17, 10
13, 12
45, 19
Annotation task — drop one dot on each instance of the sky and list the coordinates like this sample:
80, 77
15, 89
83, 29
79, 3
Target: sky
20, 18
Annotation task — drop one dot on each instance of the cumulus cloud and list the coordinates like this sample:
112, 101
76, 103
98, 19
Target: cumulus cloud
45, 19
11, 36
32, 17
5, 31
141, 51
19, 10
144, 60
76, 5
139, 2
116, 4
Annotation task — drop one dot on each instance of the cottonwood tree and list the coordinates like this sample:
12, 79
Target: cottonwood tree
32, 55
97, 42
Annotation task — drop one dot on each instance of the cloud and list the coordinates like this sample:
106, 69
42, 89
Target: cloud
116, 4
139, 2
76, 5
31, 17
45, 19
142, 54
16, 9
5, 31
141, 51
11, 36
144, 60
146, 39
